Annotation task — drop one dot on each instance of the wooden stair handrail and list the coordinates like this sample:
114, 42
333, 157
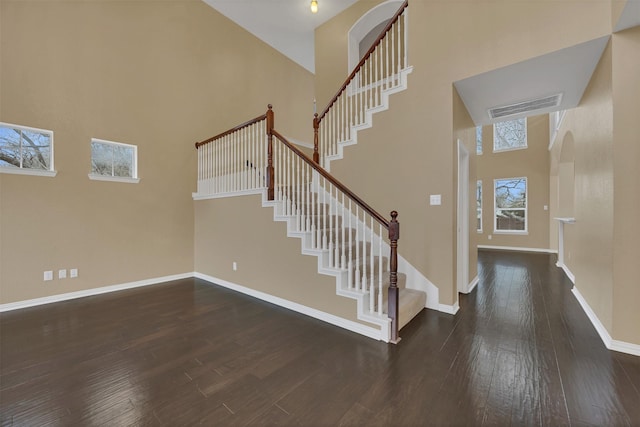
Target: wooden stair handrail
232, 130
382, 220
393, 227
362, 61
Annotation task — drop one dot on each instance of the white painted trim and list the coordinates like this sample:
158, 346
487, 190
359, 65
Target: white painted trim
90, 292
114, 178
25, 171
299, 308
51, 172
518, 249
472, 285
449, 309
197, 196
415, 279
625, 347
568, 272
611, 344
602, 331
134, 161
462, 219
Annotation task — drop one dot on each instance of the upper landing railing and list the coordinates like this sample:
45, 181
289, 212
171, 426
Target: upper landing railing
377, 74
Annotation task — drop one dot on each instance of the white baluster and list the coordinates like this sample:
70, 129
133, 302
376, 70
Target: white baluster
372, 282
336, 246
343, 243
400, 53
387, 54
370, 85
405, 21
364, 251
324, 215
299, 195
350, 262
380, 270
357, 260
330, 247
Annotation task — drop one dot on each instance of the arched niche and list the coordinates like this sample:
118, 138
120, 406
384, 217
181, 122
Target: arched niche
363, 33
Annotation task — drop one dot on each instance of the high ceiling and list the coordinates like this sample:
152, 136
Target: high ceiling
286, 25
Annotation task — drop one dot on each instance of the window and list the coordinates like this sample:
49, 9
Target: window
511, 135
479, 206
113, 161
25, 150
510, 205
478, 140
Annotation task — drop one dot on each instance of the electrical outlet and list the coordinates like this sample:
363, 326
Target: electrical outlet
73, 273
489, 236
235, 266
48, 275
62, 274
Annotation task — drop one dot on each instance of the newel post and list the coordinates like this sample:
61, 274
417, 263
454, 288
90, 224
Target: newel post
316, 125
270, 172
394, 235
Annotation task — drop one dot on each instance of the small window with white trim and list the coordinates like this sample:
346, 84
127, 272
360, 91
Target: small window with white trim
478, 140
510, 205
113, 161
26, 150
510, 135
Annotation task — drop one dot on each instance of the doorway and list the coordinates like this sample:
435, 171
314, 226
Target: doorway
463, 220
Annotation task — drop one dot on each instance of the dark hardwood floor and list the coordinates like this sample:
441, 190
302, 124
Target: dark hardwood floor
520, 352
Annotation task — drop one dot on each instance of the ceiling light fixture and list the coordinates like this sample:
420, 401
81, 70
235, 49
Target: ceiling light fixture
314, 6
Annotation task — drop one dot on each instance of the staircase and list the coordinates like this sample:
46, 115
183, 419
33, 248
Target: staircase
353, 242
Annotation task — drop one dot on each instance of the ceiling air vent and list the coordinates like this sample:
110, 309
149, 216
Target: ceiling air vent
525, 106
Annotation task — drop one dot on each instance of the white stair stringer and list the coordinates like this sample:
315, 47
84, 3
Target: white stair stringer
368, 116
415, 279
382, 323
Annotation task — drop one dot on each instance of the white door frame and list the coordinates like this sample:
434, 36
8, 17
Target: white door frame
463, 220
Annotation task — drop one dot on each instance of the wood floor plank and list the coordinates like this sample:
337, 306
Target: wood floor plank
519, 352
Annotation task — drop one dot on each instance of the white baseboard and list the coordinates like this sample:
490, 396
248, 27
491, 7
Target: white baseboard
611, 344
472, 285
90, 292
518, 249
449, 309
625, 347
299, 308
568, 272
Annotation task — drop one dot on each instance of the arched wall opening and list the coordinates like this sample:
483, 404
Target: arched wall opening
366, 29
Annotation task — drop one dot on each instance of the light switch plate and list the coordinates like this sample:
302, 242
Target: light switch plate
435, 199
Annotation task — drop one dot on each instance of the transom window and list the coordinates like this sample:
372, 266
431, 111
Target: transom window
510, 205
510, 135
113, 161
26, 150
478, 140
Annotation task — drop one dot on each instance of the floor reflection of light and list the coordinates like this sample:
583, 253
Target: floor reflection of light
109, 388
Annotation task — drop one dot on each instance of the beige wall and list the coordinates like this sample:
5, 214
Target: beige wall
601, 248
160, 75
532, 163
626, 161
239, 229
410, 151
589, 242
